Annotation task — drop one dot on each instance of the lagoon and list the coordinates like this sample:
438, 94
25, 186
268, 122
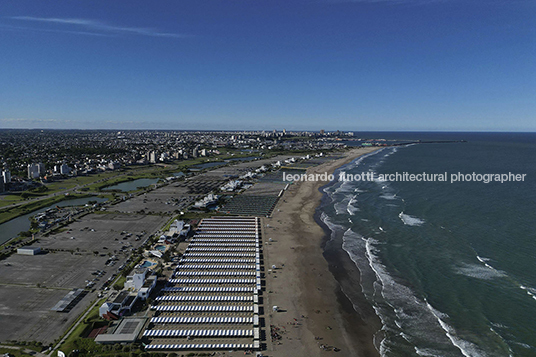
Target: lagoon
131, 185
12, 228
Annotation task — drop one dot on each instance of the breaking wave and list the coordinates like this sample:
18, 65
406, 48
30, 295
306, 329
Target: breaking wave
410, 220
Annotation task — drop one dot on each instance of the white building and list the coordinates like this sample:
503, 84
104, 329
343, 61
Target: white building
114, 165
233, 185
210, 199
147, 287
6, 175
123, 302
179, 228
140, 282
176, 227
136, 279
28, 250
152, 157
164, 156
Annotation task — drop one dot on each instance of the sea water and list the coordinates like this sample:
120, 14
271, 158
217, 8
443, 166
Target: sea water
449, 267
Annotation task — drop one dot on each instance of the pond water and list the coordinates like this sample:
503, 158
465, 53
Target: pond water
207, 165
11, 229
248, 158
131, 185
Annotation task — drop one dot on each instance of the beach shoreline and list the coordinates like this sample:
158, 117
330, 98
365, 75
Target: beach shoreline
313, 278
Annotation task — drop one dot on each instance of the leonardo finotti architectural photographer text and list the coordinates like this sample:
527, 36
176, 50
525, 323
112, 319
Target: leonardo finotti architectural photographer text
408, 177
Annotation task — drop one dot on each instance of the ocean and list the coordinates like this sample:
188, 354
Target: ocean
449, 267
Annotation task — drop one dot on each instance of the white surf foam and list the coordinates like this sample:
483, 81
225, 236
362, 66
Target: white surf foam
410, 220
389, 197
344, 187
467, 348
484, 261
351, 207
341, 206
333, 227
414, 319
486, 272
427, 352
530, 291
354, 244
352, 165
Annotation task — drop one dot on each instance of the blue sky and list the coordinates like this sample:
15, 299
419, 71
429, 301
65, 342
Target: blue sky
301, 65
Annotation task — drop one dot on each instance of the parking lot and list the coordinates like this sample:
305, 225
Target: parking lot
31, 285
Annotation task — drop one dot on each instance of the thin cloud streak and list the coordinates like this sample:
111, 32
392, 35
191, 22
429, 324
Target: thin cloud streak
99, 26
33, 29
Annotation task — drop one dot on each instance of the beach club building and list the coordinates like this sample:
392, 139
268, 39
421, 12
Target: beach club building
139, 282
122, 303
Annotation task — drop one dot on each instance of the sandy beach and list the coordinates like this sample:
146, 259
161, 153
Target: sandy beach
315, 318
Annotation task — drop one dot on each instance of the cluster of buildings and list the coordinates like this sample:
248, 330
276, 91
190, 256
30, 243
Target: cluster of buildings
207, 201
155, 156
37, 171
141, 281
35, 154
139, 284
212, 301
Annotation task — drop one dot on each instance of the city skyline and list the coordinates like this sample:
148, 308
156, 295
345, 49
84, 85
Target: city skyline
368, 65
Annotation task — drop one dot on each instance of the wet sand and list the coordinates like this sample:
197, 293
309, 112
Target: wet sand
311, 274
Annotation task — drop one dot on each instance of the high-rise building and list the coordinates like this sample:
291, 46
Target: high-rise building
65, 170
36, 170
6, 176
33, 171
152, 157
41, 169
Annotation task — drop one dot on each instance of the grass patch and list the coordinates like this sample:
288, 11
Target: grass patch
120, 283
14, 352
75, 339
